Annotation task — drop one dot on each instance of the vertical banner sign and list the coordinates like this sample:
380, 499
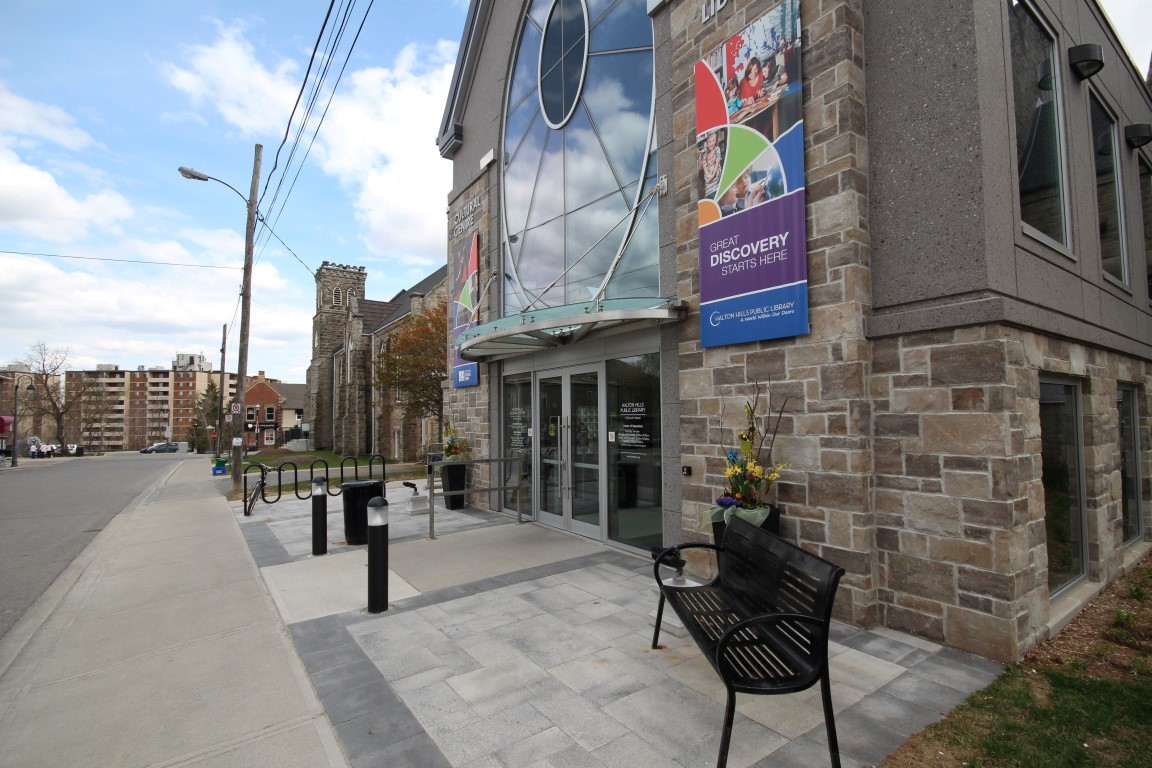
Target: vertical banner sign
465, 283
750, 140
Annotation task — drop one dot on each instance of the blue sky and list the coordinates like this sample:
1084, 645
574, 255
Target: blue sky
101, 102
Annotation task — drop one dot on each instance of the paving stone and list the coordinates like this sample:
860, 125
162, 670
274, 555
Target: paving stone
343, 704
440, 709
862, 671
535, 748
345, 676
490, 735
584, 722
631, 751
926, 693
417, 751
954, 675
895, 714
879, 646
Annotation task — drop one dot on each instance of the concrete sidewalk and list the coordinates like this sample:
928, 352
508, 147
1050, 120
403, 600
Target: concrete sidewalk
160, 645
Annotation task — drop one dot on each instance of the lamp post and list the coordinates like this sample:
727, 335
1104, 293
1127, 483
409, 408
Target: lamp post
245, 295
16, 416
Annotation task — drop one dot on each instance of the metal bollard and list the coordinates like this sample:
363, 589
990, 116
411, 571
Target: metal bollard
319, 515
377, 555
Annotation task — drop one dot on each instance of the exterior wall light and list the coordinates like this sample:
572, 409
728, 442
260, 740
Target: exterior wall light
1086, 60
1138, 134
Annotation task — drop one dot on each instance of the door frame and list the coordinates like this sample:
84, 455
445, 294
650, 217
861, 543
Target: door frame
566, 521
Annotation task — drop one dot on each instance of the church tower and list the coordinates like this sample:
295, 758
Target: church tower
338, 287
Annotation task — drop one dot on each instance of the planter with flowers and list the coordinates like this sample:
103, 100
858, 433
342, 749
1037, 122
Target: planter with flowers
454, 476
749, 473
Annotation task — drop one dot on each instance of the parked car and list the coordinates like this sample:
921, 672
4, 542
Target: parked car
160, 448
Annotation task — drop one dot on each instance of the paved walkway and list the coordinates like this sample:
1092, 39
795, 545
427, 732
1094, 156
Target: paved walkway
519, 646
189, 635
160, 645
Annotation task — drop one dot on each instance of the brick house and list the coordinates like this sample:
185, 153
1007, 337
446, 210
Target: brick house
926, 225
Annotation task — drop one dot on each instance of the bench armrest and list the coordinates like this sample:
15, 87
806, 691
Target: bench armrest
676, 551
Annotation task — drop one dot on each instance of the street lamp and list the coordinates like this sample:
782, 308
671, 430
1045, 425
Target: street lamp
16, 415
245, 294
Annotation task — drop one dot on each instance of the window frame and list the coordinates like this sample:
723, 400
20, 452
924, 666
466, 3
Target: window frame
1064, 247
1125, 280
1075, 386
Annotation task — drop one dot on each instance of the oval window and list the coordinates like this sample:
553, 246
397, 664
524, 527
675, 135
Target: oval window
563, 53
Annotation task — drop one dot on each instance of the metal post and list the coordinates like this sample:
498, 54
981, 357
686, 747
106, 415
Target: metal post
319, 515
377, 555
15, 420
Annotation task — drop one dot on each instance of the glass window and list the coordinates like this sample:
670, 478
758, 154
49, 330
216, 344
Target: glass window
575, 149
1129, 461
518, 439
1039, 158
270, 413
1146, 211
635, 493
1108, 192
1062, 470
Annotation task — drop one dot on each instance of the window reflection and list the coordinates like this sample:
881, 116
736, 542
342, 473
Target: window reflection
569, 192
1107, 199
1038, 155
1063, 500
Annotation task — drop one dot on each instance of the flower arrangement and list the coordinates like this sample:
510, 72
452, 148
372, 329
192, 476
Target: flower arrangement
454, 447
749, 478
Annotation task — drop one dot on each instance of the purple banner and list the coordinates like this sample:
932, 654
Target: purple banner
750, 141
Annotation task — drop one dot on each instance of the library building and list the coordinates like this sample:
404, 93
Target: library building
874, 273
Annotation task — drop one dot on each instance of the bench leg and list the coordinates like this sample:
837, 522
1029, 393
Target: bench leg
726, 734
659, 616
829, 719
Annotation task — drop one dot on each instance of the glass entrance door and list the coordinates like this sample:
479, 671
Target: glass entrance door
570, 449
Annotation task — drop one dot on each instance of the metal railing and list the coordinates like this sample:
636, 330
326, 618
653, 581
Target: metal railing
515, 474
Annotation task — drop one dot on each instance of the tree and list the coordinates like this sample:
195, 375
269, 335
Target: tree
51, 402
414, 362
207, 408
97, 405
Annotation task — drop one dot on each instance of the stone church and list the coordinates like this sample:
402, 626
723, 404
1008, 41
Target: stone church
345, 410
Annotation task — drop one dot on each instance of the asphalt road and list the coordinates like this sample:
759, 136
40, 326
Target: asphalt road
50, 509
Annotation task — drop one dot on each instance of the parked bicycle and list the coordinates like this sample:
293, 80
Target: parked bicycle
258, 489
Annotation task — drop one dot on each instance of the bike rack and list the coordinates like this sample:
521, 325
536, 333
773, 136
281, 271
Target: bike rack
374, 460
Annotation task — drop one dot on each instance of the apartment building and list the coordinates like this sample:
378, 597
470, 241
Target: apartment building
130, 409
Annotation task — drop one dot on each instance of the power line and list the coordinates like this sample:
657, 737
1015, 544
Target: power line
124, 261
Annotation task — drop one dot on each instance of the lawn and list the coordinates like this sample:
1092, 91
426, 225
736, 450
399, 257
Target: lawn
1084, 698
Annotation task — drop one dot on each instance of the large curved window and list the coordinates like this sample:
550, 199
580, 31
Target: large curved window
579, 168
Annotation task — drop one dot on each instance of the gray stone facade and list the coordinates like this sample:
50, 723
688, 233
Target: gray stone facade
912, 427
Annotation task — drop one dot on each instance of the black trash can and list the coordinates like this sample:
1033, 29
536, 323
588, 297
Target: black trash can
356, 496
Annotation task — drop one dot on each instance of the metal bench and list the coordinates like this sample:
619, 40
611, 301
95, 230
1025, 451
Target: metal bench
762, 622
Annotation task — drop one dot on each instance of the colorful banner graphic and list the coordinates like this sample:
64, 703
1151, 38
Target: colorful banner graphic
750, 139
465, 283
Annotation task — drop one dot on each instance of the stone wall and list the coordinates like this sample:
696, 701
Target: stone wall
825, 434
328, 333
958, 494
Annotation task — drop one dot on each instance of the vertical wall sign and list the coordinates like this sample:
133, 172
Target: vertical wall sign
465, 283
750, 140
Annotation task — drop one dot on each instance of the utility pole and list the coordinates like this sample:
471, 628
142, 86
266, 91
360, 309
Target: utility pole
245, 309
220, 410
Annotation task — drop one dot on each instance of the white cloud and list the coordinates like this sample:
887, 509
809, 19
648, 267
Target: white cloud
32, 202
377, 139
21, 117
258, 103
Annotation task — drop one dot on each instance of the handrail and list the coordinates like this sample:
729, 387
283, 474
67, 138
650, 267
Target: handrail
432, 494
